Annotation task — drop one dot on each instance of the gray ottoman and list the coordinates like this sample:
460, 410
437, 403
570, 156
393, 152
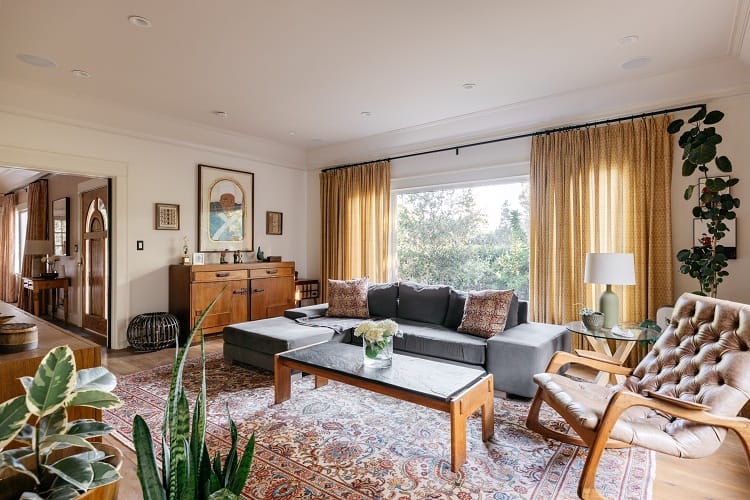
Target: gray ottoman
516, 355
255, 342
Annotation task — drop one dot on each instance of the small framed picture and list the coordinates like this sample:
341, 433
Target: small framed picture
166, 216
274, 222
198, 259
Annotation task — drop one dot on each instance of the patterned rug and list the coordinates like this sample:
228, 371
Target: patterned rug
342, 442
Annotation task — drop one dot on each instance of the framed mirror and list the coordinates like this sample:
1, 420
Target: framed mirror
61, 225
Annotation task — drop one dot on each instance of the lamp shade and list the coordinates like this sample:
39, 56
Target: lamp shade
37, 247
610, 269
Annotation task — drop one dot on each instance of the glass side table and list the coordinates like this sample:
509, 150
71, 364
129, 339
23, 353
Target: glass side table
625, 336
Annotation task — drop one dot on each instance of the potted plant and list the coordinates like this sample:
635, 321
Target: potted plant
707, 260
187, 470
48, 456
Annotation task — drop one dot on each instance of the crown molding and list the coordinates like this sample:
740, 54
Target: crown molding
739, 28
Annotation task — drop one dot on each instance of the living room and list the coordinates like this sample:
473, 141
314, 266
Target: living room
304, 88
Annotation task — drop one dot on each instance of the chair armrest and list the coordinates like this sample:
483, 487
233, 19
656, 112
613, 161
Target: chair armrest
689, 405
597, 356
561, 358
687, 410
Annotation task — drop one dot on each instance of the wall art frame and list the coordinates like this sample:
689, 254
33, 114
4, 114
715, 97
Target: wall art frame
729, 242
274, 222
225, 209
199, 259
166, 216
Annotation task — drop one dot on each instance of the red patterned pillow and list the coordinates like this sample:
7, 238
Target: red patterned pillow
348, 298
485, 312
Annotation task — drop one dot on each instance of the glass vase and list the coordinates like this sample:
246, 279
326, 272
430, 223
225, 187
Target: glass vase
378, 354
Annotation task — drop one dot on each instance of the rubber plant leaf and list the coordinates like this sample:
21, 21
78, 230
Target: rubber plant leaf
95, 399
74, 470
87, 428
53, 382
13, 415
104, 473
95, 378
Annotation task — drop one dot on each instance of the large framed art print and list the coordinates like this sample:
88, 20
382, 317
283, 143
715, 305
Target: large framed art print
225, 200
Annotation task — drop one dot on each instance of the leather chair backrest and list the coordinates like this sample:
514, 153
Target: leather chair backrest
702, 356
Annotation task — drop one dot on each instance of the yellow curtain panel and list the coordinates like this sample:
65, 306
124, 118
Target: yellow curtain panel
355, 208
601, 189
7, 247
36, 228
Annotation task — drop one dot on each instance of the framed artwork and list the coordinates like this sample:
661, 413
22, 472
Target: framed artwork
701, 237
61, 225
198, 259
166, 216
274, 222
225, 201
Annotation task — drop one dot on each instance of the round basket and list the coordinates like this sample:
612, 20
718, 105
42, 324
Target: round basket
593, 321
18, 337
153, 331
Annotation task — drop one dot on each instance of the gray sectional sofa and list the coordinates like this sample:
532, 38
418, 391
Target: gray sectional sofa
428, 317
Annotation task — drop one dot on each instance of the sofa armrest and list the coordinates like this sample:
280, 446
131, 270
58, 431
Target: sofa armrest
314, 311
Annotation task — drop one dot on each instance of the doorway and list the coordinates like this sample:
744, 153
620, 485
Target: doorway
95, 256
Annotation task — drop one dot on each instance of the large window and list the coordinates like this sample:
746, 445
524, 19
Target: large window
22, 216
472, 238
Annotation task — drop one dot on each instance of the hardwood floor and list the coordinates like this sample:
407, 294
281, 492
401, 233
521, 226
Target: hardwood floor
724, 475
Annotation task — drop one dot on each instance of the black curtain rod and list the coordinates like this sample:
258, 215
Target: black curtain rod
528, 134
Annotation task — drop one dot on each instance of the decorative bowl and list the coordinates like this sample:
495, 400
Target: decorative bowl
6, 318
593, 321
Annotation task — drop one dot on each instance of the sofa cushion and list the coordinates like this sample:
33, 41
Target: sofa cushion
427, 303
456, 304
274, 335
382, 299
486, 312
348, 298
440, 342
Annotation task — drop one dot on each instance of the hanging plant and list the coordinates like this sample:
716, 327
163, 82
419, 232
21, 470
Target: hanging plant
706, 261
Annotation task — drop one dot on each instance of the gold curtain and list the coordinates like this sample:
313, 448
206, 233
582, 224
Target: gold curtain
36, 228
355, 208
601, 189
7, 247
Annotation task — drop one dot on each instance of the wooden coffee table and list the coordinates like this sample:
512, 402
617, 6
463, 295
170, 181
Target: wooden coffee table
457, 390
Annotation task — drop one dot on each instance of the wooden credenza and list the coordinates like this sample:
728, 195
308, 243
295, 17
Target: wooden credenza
255, 290
19, 364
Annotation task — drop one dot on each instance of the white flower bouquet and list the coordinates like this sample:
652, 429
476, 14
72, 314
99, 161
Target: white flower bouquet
376, 335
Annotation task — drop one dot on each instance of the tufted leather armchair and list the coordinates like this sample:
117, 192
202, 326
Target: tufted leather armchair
680, 400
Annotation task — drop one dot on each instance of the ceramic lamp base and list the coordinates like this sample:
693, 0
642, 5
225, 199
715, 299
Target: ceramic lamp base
610, 307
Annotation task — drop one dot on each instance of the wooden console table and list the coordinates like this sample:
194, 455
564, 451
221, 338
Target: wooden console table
37, 285
20, 364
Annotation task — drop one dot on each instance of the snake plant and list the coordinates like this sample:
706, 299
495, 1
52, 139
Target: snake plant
55, 387
187, 470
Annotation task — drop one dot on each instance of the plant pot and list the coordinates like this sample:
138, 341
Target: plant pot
13, 484
593, 321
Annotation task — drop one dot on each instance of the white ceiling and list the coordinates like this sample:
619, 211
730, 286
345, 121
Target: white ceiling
311, 67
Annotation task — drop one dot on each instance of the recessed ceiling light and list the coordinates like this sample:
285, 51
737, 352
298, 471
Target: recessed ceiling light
469, 86
366, 114
220, 114
636, 63
139, 21
80, 73
292, 132
38, 61
628, 40
316, 140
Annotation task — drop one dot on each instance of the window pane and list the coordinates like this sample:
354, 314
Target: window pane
471, 238
21, 218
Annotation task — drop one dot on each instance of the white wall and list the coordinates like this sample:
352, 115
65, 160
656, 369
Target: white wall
733, 128
146, 171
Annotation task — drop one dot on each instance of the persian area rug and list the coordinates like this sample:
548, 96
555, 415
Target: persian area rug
341, 442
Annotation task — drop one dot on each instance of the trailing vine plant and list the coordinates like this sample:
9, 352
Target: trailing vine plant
706, 260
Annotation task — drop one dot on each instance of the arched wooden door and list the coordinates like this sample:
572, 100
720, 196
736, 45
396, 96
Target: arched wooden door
95, 224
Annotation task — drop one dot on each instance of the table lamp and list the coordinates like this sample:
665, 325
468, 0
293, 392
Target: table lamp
609, 269
37, 248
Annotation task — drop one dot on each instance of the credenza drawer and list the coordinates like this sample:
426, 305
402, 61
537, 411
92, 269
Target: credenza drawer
240, 274
270, 272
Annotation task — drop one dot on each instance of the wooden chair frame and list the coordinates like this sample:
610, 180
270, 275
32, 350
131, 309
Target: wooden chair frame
599, 439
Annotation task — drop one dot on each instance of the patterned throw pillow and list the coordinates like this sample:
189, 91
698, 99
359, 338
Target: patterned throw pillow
348, 298
485, 312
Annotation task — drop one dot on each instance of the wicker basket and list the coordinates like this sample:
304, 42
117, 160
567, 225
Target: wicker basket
593, 321
153, 331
